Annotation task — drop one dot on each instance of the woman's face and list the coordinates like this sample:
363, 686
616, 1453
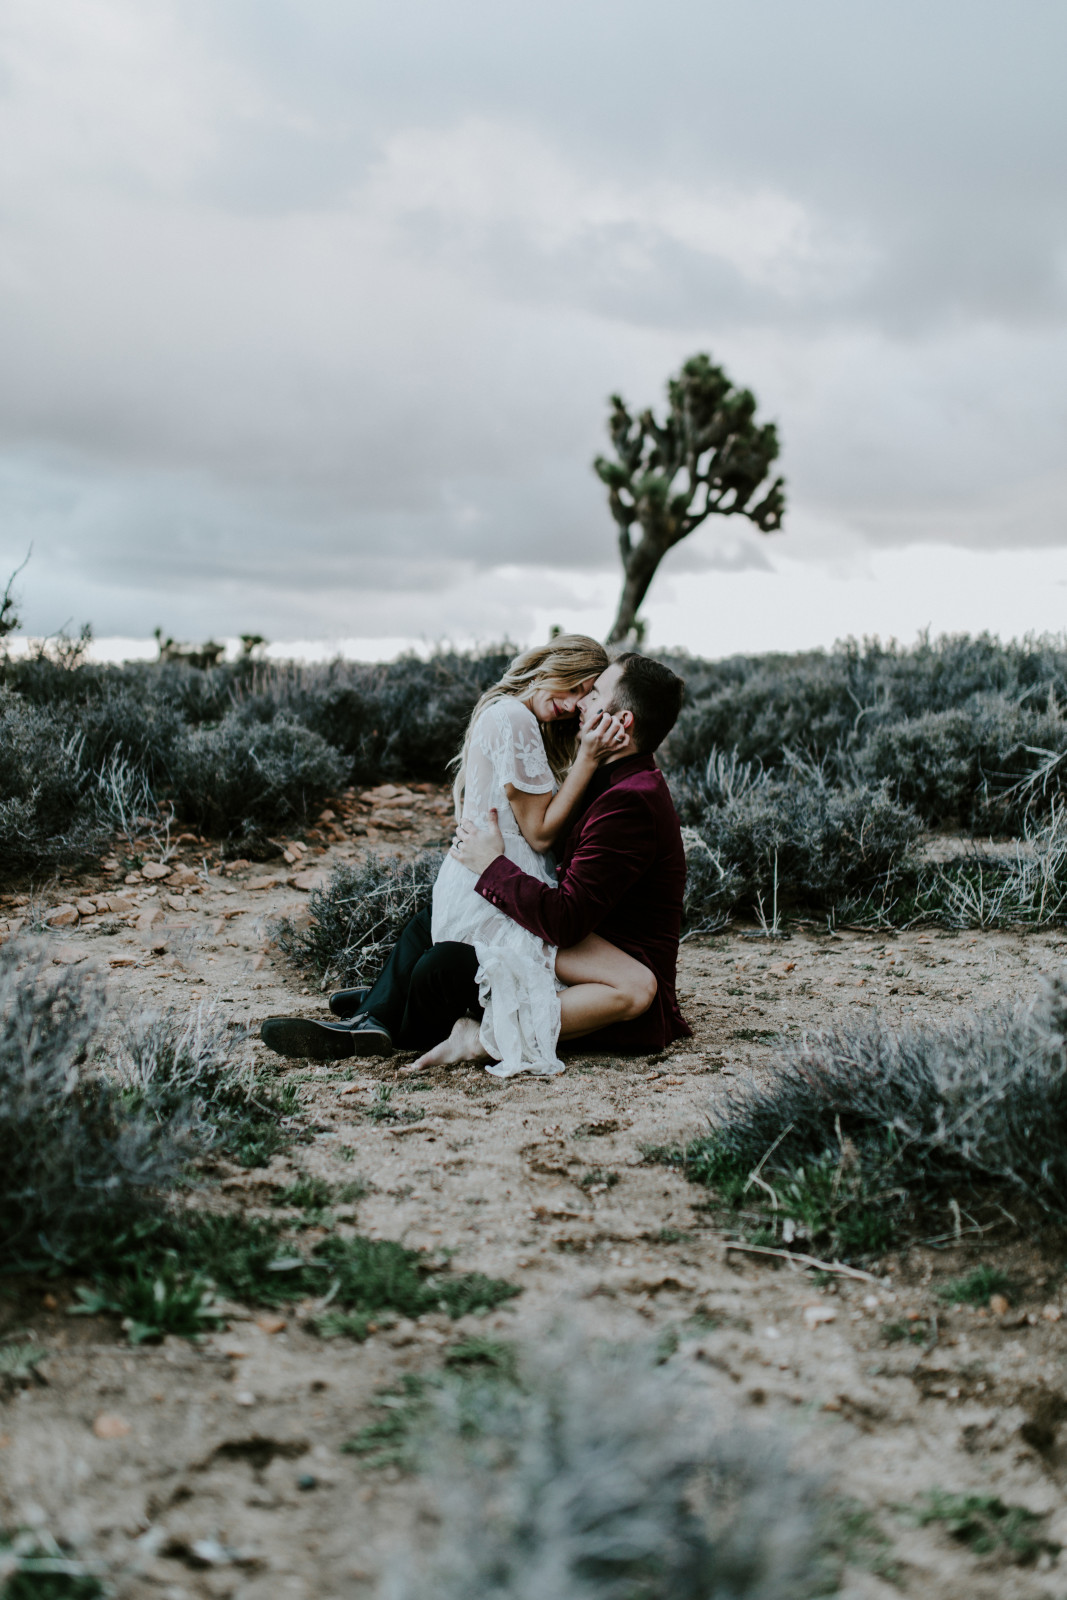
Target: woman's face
556, 705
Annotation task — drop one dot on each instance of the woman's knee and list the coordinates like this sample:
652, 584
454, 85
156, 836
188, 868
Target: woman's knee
640, 994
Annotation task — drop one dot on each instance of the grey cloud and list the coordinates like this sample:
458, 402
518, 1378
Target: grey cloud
268, 365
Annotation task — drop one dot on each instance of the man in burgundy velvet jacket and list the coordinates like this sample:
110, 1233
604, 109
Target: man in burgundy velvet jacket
622, 873
622, 876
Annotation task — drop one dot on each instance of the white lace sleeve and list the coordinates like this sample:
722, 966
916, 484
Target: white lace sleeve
518, 750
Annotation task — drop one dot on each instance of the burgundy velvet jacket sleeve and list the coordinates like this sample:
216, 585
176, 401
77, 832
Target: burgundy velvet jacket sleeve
615, 846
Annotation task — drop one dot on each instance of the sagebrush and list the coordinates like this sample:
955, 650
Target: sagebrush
356, 919
552, 1490
75, 1155
761, 843
962, 732
863, 1126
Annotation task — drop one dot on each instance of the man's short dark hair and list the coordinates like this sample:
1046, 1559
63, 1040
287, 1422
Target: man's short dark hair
653, 693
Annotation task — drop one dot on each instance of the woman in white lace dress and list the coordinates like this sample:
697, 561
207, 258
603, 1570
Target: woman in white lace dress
522, 757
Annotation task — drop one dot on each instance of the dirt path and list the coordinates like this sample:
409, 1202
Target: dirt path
220, 1472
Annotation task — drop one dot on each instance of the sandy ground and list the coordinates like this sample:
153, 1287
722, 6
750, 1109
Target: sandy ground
220, 1470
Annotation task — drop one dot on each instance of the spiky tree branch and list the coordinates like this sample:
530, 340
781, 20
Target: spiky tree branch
708, 458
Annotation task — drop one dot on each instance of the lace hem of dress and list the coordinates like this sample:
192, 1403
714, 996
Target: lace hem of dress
520, 1026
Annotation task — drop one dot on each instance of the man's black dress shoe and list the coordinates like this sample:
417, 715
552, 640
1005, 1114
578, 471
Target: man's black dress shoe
326, 1041
348, 1002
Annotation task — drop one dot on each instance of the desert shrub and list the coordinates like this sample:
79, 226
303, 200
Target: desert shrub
764, 842
554, 1491
182, 1069
49, 811
862, 1124
357, 918
776, 703
401, 719
74, 1156
970, 763
840, 708
979, 890
244, 774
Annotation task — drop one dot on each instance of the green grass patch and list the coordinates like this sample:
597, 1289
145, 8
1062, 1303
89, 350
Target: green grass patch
154, 1300
250, 1260
598, 1177
984, 1524
855, 1539
916, 1332
308, 1193
382, 1109
976, 1288
33, 1566
357, 1325
835, 1201
17, 1362
491, 1357
386, 1442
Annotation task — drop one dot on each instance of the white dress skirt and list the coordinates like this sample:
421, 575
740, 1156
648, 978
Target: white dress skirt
516, 970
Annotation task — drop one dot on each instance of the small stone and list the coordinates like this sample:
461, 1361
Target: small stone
183, 878
327, 815
999, 1304
61, 916
244, 1397
50, 1302
306, 881
1051, 1313
148, 918
155, 871
307, 1480
116, 903
174, 902
108, 1426
271, 1324
265, 883
122, 961
67, 957
133, 877
187, 838
815, 1316
85, 908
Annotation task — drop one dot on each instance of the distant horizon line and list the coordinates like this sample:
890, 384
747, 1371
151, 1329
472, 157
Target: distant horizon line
118, 649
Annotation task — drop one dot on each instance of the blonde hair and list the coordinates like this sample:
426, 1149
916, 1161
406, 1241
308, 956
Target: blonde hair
564, 663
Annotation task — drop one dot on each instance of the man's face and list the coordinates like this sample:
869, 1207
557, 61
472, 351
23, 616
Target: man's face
601, 696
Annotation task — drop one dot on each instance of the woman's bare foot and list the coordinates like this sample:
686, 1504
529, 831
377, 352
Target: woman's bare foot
463, 1044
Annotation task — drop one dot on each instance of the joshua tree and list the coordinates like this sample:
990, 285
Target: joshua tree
709, 458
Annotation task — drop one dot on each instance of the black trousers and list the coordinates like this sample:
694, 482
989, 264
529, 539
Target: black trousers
424, 988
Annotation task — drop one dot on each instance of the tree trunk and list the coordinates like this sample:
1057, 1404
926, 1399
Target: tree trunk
640, 569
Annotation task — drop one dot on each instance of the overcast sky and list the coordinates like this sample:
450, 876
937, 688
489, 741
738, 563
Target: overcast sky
310, 309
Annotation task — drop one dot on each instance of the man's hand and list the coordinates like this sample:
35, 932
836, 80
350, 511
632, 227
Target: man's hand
476, 847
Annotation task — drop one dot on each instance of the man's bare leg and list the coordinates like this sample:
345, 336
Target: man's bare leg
463, 1044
